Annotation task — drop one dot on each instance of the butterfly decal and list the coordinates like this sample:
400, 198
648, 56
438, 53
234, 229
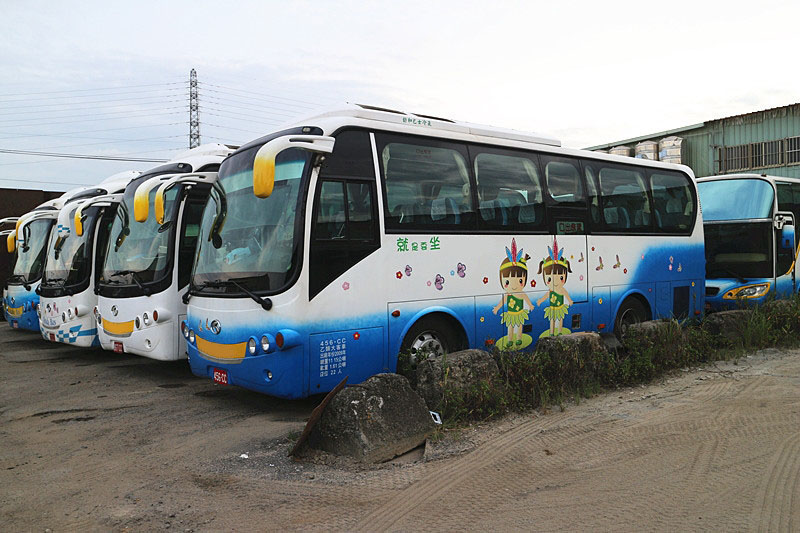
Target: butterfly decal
617, 264
461, 270
439, 282
600, 266
408, 270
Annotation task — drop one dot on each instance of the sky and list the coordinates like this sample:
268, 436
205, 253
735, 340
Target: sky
111, 78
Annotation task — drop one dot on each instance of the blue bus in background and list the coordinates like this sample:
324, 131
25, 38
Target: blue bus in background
750, 238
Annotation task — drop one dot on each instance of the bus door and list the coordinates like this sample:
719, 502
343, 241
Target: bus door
567, 218
785, 252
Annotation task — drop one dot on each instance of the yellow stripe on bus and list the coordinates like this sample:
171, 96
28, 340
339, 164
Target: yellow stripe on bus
221, 351
15, 311
118, 328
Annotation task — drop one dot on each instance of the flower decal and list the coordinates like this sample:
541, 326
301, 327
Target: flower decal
485, 281
533, 283
346, 285
399, 275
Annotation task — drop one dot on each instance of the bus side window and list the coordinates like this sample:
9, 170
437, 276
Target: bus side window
188, 241
672, 202
427, 185
509, 191
564, 183
626, 204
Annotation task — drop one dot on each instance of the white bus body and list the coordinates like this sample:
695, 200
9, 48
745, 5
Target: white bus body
148, 261
400, 240
67, 291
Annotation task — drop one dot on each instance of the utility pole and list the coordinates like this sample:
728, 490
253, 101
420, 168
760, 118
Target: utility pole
194, 112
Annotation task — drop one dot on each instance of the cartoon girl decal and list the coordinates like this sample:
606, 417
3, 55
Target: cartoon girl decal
554, 270
513, 277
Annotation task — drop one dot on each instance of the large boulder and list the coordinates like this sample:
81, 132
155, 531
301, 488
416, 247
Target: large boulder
462, 370
373, 421
728, 324
558, 347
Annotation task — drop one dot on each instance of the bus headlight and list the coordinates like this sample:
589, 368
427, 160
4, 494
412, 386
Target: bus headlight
191, 336
748, 291
146, 319
252, 346
265, 344
137, 322
64, 316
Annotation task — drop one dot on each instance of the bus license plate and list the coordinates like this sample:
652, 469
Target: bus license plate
220, 376
15, 324
117, 347
52, 337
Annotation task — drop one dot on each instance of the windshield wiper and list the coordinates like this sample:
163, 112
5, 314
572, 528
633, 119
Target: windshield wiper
265, 303
135, 277
22, 278
58, 281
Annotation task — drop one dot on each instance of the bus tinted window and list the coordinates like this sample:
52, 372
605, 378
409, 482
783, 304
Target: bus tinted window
672, 201
564, 183
509, 192
427, 186
351, 157
624, 200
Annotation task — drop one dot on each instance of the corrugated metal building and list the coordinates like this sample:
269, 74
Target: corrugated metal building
766, 142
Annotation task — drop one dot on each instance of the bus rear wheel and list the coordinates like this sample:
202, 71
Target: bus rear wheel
632, 311
430, 336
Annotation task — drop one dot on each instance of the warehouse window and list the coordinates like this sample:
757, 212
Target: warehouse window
793, 150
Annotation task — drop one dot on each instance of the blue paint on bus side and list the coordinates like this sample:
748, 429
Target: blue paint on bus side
20, 308
330, 349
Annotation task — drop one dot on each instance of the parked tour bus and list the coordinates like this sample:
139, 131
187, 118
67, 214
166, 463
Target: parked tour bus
67, 291
749, 224
328, 248
149, 255
28, 242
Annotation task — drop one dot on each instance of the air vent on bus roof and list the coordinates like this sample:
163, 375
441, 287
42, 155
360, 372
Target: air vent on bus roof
375, 108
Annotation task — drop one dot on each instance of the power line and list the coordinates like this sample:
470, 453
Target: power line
94, 115
99, 89
67, 134
248, 108
112, 103
247, 115
81, 156
316, 104
106, 118
253, 100
259, 133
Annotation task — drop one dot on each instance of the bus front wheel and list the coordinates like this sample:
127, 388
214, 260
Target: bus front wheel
632, 311
430, 336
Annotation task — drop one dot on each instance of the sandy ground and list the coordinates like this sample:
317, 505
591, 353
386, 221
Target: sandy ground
91, 440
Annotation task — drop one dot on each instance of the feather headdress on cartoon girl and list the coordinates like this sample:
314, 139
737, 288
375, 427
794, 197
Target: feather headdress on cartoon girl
515, 257
555, 255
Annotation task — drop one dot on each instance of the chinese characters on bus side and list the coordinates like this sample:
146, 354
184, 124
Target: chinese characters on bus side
405, 245
332, 357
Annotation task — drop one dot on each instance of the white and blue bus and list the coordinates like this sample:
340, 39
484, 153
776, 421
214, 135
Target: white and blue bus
28, 242
751, 243
148, 257
329, 247
67, 291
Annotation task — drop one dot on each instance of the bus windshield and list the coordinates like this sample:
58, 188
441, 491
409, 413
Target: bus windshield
69, 257
739, 250
736, 199
140, 252
31, 250
245, 237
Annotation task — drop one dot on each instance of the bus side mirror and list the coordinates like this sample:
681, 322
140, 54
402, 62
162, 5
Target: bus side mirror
141, 199
11, 242
787, 237
264, 163
78, 221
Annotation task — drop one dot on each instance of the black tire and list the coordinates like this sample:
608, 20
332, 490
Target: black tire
433, 335
632, 311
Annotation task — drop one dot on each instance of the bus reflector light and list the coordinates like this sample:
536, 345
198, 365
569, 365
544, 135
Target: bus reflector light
155, 315
601, 326
286, 338
697, 312
396, 313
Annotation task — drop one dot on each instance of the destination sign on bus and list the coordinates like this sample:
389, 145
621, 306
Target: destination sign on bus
569, 227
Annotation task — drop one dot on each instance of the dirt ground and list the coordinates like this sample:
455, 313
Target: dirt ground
91, 440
